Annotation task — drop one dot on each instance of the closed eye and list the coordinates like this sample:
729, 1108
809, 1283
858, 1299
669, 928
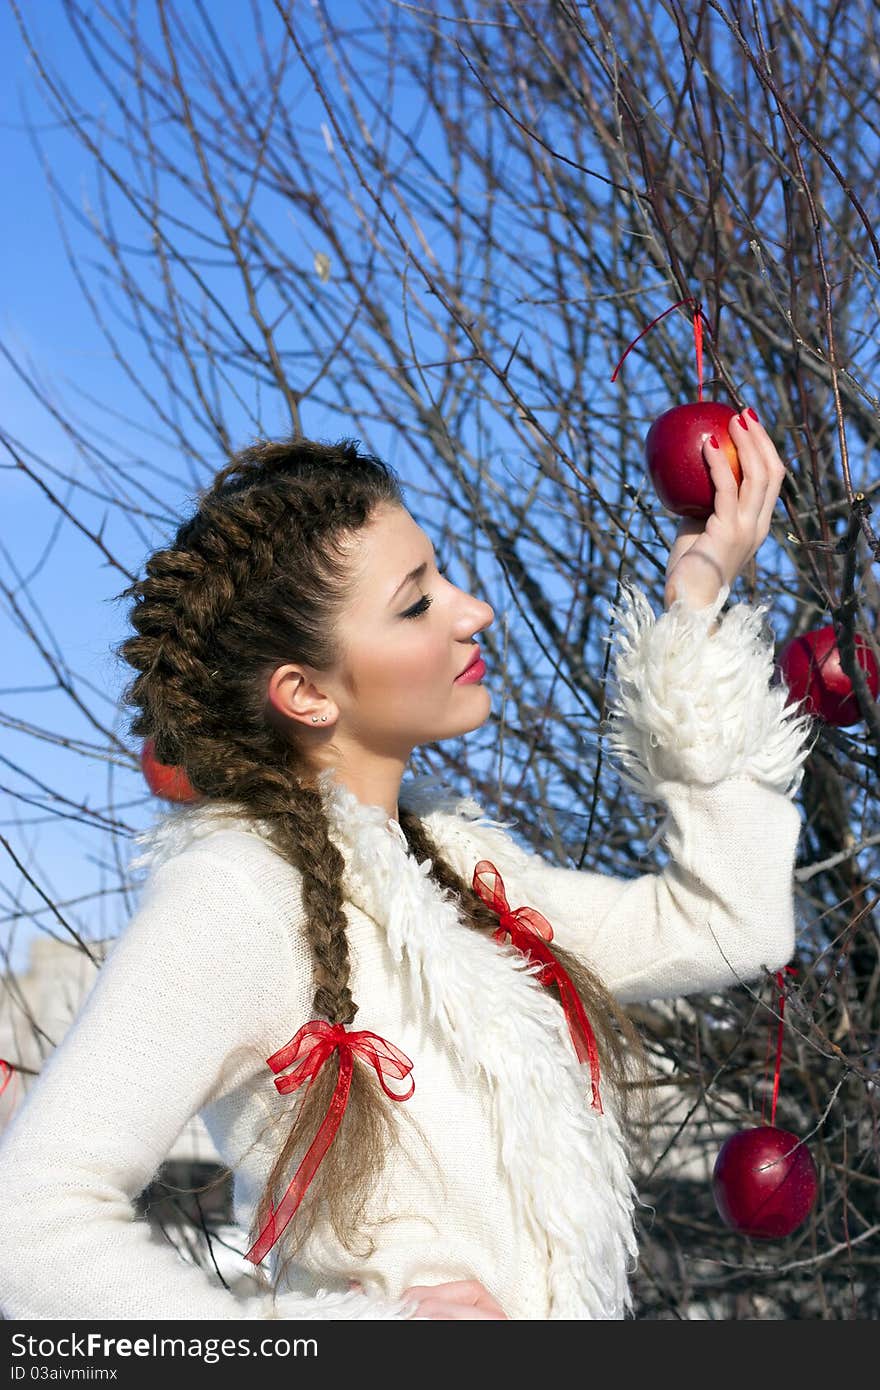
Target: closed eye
421, 607
426, 600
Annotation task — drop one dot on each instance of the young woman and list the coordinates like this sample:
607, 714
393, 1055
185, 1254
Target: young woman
452, 1001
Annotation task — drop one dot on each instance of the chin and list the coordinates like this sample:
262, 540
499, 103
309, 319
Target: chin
476, 719
465, 721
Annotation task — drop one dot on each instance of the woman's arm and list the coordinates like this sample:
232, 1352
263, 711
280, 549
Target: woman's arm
191, 979
719, 913
695, 726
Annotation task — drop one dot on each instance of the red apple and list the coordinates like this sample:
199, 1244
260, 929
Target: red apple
810, 666
674, 450
764, 1182
171, 783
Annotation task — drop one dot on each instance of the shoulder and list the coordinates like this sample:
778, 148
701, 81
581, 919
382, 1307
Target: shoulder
189, 839
204, 825
220, 883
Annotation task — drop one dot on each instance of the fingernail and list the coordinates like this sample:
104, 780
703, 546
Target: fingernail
741, 420
714, 442
752, 413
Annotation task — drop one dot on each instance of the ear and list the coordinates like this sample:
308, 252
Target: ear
291, 691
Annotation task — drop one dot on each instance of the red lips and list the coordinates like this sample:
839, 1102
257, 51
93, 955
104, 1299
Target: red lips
474, 659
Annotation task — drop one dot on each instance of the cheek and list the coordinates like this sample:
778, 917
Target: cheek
416, 658
425, 657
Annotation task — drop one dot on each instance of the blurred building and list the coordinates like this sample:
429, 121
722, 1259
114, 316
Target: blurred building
192, 1192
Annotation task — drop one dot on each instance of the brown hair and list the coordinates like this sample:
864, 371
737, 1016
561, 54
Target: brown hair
257, 577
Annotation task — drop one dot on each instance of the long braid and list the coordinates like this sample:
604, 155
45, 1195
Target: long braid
258, 574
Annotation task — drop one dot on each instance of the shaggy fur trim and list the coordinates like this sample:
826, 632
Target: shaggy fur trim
690, 706
181, 825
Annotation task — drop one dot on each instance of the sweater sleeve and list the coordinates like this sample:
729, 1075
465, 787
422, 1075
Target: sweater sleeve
697, 727
189, 981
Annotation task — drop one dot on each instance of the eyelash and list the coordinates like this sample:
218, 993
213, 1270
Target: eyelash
424, 602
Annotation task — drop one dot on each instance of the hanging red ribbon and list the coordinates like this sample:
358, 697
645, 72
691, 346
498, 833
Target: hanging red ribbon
699, 316
312, 1045
7, 1072
698, 349
780, 984
530, 931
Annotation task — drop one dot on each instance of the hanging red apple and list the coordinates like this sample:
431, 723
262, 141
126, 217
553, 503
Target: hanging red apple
764, 1182
674, 450
811, 667
171, 783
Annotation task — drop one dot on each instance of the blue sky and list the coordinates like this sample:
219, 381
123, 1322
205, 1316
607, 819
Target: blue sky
48, 330
46, 327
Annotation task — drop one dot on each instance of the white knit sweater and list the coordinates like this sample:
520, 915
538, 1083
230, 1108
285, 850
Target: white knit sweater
514, 1179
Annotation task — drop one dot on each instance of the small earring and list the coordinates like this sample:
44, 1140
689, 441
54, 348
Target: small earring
315, 718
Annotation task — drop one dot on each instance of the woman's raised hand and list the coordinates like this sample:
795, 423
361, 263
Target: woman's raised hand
707, 554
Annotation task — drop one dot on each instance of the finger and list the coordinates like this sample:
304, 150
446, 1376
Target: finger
764, 443
755, 468
765, 516
776, 468
726, 499
775, 472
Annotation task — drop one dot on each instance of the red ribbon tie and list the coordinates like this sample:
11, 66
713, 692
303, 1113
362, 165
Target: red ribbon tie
530, 932
309, 1049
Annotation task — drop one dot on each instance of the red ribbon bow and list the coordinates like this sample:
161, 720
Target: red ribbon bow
312, 1045
530, 931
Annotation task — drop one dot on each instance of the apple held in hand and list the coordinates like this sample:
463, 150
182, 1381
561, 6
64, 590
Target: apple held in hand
674, 450
764, 1182
811, 667
171, 783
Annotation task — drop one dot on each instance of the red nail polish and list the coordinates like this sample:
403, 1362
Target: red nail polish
752, 413
713, 441
741, 420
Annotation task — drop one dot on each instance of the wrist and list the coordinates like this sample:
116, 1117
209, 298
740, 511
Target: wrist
694, 577
693, 597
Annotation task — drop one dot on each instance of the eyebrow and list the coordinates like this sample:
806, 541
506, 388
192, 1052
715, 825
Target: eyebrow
413, 574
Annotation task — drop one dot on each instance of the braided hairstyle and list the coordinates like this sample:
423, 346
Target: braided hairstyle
258, 576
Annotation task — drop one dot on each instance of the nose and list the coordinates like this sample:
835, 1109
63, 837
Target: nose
489, 620
477, 616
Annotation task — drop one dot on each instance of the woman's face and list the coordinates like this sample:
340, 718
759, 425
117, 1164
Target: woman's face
404, 641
